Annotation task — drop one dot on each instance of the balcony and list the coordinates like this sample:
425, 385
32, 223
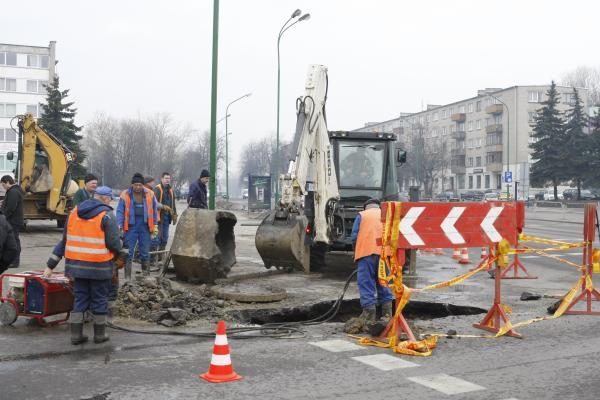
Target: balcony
494, 109
458, 152
495, 166
494, 128
458, 117
458, 135
492, 148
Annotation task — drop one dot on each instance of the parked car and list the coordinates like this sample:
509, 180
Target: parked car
446, 196
472, 195
549, 194
538, 195
492, 196
244, 193
585, 194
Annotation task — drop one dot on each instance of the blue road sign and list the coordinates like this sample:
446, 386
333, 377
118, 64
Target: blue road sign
508, 176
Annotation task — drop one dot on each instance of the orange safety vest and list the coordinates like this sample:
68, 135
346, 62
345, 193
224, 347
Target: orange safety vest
161, 195
86, 240
148, 195
368, 232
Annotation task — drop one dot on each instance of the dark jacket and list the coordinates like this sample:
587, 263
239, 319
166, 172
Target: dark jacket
198, 195
80, 196
8, 245
12, 207
84, 269
166, 199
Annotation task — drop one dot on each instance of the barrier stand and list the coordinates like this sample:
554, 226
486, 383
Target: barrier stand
496, 317
588, 292
516, 266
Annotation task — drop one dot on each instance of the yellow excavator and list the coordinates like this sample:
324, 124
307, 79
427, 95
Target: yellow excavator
42, 171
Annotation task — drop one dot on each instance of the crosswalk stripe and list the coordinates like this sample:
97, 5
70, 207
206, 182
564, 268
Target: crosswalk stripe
385, 362
337, 345
446, 384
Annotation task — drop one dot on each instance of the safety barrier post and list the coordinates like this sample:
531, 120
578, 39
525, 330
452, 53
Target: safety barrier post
588, 292
516, 265
496, 317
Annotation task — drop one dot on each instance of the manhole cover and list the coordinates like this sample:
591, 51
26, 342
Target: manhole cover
247, 293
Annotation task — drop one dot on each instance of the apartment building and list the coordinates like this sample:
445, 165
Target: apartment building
24, 72
477, 140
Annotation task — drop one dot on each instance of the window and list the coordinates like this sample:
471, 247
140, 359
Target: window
39, 61
478, 142
497, 119
2, 58
452, 128
7, 135
478, 161
531, 117
478, 124
470, 181
470, 162
478, 181
534, 96
470, 126
8, 110
487, 181
478, 106
434, 133
569, 98
445, 113
461, 127
461, 109
461, 181
470, 107
8, 84
444, 131
11, 58
451, 110
498, 181
488, 121
32, 86
435, 116
33, 109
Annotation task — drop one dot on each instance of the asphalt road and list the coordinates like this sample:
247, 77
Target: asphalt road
555, 360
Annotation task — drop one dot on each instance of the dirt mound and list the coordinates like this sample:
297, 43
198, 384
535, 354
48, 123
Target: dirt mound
165, 302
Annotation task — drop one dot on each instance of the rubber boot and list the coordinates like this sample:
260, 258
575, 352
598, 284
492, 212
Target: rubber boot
76, 322
127, 270
110, 314
162, 256
368, 314
387, 311
100, 335
145, 268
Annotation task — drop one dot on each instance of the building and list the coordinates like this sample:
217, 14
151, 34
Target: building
24, 72
471, 144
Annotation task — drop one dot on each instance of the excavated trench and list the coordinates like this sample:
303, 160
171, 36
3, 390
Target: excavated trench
415, 310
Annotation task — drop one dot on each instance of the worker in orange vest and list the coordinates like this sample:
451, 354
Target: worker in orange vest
90, 242
137, 218
365, 232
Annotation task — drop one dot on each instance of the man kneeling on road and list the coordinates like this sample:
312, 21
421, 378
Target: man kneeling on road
89, 244
365, 232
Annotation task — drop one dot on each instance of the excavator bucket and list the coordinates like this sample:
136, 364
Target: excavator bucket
281, 241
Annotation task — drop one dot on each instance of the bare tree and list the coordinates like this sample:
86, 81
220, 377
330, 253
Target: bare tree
585, 77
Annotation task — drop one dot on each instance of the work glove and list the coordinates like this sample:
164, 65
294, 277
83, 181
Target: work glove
154, 233
174, 220
167, 209
52, 261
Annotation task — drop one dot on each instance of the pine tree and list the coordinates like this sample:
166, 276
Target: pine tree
578, 142
58, 119
549, 143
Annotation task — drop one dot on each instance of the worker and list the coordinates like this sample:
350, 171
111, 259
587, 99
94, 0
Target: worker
137, 219
357, 168
89, 244
365, 232
8, 245
12, 208
167, 214
87, 191
198, 195
149, 182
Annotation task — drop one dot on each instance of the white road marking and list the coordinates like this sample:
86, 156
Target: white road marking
530, 257
385, 362
446, 384
406, 224
337, 345
573, 254
448, 225
488, 224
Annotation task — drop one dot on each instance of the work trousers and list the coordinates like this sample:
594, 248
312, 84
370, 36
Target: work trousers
138, 234
163, 232
92, 295
15, 230
371, 292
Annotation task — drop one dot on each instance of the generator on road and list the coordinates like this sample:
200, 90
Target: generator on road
326, 184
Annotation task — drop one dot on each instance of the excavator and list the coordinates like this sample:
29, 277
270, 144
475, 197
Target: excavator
326, 184
42, 171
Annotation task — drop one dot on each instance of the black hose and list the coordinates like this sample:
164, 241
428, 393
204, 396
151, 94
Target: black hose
275, 330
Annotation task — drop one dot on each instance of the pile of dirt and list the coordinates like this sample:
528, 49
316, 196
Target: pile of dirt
165, 302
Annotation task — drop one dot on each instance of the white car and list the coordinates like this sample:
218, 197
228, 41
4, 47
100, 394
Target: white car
549, 194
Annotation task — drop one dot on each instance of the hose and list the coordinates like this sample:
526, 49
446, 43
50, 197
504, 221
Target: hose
275, 330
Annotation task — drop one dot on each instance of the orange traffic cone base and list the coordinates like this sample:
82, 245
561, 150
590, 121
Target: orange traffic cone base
220, 378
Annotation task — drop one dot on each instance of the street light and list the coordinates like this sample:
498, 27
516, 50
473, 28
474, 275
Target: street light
284, 28
227, 142
507, 143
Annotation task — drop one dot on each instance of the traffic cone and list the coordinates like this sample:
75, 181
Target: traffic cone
220, 369
438, 252
464, 256
484, 253
456, 253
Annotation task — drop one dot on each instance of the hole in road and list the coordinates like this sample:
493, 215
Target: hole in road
415, 310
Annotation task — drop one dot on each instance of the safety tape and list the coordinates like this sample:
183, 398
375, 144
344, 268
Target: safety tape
542, 252
457, 279
528, 238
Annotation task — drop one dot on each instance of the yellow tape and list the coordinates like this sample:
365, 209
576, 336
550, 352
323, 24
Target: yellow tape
457, 279
528, 238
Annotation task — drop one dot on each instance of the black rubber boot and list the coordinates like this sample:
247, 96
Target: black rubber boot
100, 335
77, 336
368, 314
127, 269
145, 268
387, 311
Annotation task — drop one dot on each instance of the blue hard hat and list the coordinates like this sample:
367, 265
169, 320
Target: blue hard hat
104, 191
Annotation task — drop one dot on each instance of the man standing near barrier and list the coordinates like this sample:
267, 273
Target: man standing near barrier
137, 218
89, 244
365, 232
168, 210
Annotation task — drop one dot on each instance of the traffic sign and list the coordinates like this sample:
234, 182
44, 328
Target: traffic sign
447, 225
508, 176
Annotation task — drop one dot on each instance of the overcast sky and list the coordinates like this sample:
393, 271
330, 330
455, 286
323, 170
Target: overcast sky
128, 57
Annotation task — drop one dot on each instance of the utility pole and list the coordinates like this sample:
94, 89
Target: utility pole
213, 107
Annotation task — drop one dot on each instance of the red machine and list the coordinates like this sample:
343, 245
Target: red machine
29, 294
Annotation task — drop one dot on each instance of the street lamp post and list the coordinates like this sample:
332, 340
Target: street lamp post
227, 142
507, 142
284, 28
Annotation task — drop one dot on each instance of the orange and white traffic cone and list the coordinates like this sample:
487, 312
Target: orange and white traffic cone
220, 369
456, 254
438, 252
464, 256
484, 253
